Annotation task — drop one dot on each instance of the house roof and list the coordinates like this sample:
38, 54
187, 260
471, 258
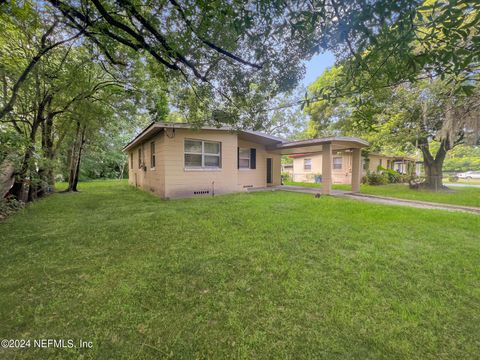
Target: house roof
273, 143
155, 127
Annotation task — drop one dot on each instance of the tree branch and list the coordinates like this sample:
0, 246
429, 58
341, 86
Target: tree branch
43, 50
207, 42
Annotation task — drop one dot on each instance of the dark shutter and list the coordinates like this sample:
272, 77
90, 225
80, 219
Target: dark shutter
238, 158
253, 158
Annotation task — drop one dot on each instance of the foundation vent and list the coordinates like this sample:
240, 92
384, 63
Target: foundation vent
201, 192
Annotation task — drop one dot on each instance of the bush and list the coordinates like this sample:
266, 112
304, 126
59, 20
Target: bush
393, 176
286, 177
452, 178
8, 206
376, 179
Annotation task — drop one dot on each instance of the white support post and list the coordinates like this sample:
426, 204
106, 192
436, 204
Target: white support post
327, 169
356, 170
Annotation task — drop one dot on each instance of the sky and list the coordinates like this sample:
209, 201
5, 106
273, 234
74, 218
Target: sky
316, 66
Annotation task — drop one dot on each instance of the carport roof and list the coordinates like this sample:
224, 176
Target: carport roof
316, 145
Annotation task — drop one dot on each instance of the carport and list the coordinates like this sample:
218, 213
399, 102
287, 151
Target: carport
326, 146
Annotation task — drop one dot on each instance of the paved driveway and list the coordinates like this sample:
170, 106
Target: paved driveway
376, 199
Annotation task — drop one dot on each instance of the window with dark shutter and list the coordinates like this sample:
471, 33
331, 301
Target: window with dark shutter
244, 157
253, 158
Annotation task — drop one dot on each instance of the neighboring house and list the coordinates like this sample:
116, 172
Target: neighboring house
308, 167
175, 160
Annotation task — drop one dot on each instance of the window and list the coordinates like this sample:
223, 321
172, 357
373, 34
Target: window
337, 163
307, 164
131, 160
380, 162
139, 157
244, 158
152, 154
202, 154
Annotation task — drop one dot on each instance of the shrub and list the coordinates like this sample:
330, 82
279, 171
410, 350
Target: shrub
286, 177
376, 179
452, 178
8, 206
393, 176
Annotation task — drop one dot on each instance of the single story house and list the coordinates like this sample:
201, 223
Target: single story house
177, 160
306, 167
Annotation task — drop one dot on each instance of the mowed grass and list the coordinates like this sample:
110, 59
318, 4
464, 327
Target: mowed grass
467, 196
257, 275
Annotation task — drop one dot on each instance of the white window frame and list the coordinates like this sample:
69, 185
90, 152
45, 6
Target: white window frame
341, 163
249, 158
310, 165
203, 154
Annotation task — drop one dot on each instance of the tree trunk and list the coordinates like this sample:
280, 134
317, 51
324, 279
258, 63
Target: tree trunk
79, 159
48, 151
76, 156
434, 166
7, 178
434, 174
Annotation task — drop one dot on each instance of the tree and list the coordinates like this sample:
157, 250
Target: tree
58, 91
229, 59
25, 17
418, 115
463, 158
433, 38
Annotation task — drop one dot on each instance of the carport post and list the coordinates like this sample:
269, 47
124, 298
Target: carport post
327, 168
356, 169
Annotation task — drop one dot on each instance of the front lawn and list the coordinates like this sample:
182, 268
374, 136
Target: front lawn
256, 275
467, 196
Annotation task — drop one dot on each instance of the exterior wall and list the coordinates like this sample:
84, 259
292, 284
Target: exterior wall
182, 182
170, 178
252, 178
151, 179
343, 175
378, 160
302, 175
339, 176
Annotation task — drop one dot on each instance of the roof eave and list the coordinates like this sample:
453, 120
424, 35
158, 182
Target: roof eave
159, 125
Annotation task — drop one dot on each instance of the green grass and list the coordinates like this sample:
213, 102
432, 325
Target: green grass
318, 185
257, 275
455, 195
463, 181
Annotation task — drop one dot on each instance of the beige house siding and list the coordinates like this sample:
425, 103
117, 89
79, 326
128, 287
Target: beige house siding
248, 178
339, 176
378, 160
152, 180
170, 178
182, 182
